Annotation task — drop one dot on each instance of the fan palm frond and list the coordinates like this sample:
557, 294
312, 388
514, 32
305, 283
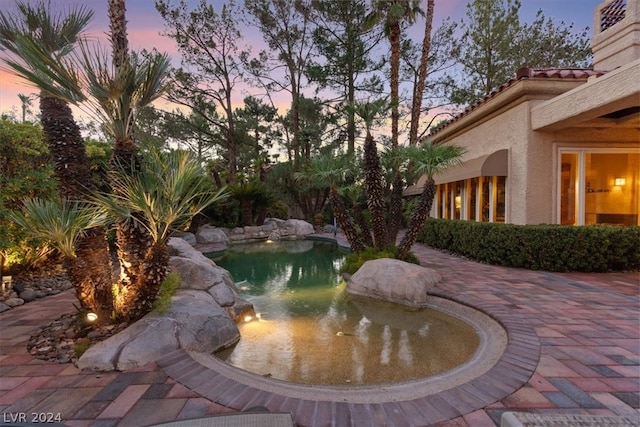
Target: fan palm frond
169, 189
60, 222
430, 159
327, 170
117, 92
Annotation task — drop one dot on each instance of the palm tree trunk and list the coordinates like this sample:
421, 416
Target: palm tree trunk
118, 26
97, 284
133, 242
394, 41
155, 270
418, 90
395, 208
418, 218
362, 223
375, 192
91, 271
66, 146
345, 222
246, 209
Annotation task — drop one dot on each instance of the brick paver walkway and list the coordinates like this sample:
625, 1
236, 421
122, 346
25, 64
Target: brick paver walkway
586, 329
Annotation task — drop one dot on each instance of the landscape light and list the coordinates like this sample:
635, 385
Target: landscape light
92, 317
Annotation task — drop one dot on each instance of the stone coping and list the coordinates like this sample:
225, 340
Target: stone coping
472, 386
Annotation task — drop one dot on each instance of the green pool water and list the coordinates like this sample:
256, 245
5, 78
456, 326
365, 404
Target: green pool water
310, 331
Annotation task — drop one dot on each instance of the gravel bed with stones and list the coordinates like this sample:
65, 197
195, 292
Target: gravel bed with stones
30, 286
66, 338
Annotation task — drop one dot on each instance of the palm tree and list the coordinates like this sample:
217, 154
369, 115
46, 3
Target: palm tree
331, 171
418, 90
353, 194
392, 161
39, 40
36, 28
373, 178
167, 191
25, 103
116, 93
250, 194
428, 159
63, 224
392, 13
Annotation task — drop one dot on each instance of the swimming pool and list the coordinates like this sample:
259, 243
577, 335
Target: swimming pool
310, 331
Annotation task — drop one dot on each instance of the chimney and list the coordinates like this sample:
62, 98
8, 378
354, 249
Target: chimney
616, 34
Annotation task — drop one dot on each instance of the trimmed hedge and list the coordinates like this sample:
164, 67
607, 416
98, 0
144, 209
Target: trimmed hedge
593, 248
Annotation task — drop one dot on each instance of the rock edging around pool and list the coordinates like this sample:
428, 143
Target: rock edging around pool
202, 317
210, 238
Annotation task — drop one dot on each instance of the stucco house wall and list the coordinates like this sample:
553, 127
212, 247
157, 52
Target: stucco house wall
542, 112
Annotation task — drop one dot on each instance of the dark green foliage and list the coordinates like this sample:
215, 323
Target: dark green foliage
354, 260
597, 248
168, 289
491, 43
26, 172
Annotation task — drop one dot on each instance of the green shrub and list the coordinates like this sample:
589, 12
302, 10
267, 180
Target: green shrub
354, 260
594, 248
81, 347
168, 289
26, 171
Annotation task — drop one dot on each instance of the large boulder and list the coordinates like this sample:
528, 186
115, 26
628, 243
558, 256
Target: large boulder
196, 270
202, 317
393, 280
298, 227
185, 235
200, 273
194, 322
208, 234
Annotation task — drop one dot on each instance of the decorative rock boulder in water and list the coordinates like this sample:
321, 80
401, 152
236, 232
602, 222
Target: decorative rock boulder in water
393, 280
200, 273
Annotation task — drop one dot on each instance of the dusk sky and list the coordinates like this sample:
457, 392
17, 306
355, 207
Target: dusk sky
145, 25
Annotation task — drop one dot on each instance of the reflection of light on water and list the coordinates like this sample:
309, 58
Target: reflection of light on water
361, 330
385, 353
424, 331
404, 349
314, 333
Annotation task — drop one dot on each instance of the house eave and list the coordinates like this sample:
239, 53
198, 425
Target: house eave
523, 90
614, 91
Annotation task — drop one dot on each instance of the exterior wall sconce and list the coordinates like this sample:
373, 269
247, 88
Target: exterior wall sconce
458, 202
619, 182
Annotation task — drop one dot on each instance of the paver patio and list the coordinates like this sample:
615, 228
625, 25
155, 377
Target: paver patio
585, 328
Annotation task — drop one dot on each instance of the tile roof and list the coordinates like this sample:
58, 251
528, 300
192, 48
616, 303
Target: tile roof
524, 73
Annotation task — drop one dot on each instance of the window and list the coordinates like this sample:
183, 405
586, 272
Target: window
472, 199
598, 187
475, 199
